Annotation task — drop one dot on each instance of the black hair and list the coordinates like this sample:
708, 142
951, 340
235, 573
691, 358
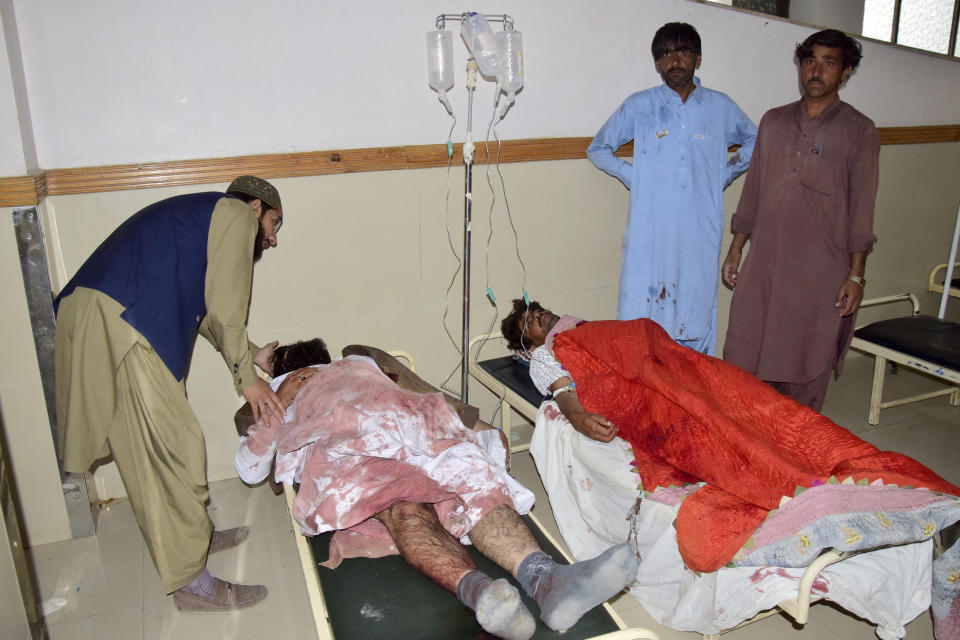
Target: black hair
290, 357
512, 325
852, 52
674, 36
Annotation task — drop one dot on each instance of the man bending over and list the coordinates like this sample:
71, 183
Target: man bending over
370, 455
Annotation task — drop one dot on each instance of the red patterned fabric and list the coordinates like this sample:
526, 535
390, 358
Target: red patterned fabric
691, 417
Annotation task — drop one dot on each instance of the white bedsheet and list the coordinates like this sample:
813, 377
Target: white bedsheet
592, 492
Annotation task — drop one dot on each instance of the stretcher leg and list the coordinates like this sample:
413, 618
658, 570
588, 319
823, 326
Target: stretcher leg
876, 394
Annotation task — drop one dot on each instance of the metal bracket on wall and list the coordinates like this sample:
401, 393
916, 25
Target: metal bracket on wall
36, 284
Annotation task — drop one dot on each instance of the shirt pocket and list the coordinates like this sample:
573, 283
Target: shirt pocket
821, 171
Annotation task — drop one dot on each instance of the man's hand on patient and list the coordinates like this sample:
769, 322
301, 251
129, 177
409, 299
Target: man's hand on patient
264, 403
291, 385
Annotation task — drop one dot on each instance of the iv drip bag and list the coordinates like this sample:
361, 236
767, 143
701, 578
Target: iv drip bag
511, 75
482, 43
440, 60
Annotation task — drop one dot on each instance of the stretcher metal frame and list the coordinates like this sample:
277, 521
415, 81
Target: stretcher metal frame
321, 614
797, 608
937, 287
884, 354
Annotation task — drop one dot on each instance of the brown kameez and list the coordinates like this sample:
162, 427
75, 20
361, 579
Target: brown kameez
807, 204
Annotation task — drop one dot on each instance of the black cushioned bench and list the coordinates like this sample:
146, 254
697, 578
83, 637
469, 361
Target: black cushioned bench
923, 343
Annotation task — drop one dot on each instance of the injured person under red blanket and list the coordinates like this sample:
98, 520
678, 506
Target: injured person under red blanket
691, 418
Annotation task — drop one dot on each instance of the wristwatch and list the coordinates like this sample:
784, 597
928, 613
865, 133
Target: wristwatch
859, 280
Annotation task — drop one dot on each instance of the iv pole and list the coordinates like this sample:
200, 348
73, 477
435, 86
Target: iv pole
468, 151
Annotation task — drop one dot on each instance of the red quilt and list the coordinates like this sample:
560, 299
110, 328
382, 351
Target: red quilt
691, 417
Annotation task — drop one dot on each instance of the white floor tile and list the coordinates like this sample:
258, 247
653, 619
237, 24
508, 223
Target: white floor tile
116, 515
90, 576
122, 623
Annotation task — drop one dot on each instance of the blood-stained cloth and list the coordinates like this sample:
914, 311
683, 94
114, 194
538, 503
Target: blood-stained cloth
691, 418
357, 443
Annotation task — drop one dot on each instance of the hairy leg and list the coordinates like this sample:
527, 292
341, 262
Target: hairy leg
425, 544
431, 550
504, 538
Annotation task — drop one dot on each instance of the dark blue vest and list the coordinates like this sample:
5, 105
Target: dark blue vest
155, 265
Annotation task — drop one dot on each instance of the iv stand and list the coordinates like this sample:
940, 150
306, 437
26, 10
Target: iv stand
468, 150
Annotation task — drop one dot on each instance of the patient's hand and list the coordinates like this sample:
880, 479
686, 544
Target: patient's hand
594, 425
291, 385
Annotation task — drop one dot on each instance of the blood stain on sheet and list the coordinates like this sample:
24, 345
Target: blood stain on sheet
821, 585
586, 484
551, 413
760, 574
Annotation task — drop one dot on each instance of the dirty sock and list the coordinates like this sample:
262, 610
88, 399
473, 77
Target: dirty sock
500, 611
566, 592
203, 585
471, 586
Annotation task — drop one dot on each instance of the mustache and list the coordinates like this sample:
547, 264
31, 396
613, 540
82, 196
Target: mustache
676, 68
816, 79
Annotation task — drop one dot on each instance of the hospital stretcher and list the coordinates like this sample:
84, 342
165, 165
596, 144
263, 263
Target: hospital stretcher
926, 344
510, 381
384, 598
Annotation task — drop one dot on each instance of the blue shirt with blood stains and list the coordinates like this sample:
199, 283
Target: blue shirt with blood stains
681, 165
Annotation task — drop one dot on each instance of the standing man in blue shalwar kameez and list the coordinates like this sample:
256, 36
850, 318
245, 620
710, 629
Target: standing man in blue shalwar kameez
681, 134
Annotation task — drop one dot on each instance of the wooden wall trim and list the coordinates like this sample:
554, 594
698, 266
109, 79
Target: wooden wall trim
30, 190
20, 191
918, 135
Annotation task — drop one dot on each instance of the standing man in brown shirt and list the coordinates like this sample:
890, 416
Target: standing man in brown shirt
807, 209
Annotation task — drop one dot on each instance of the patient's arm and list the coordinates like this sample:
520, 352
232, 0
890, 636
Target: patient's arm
254, 458
287, 393
480, 425
291, 385
592, 425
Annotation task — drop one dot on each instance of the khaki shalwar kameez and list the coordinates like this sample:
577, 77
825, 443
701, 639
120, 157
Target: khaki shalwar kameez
115, 395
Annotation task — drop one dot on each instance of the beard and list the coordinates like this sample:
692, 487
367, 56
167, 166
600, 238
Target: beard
258, 243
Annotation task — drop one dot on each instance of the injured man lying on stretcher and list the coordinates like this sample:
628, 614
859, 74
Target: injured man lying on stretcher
372, 458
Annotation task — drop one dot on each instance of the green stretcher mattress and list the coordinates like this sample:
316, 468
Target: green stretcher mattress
385, 599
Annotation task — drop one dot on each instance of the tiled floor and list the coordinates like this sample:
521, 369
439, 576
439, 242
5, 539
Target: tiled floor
106, 586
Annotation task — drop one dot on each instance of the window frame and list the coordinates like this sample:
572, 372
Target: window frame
951, 43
